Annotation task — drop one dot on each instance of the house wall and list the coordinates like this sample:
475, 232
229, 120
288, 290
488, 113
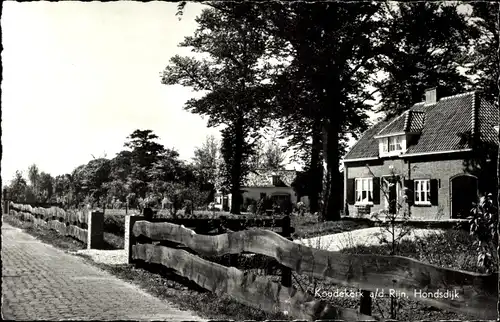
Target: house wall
254, 192
413, 169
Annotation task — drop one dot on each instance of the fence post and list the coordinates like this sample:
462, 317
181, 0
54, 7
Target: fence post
95, 234
130, 239
5, 207
365, 305
286, 273
147, 213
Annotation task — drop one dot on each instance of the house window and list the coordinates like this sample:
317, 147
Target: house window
392, 144
364, 190
422, 192
275, 180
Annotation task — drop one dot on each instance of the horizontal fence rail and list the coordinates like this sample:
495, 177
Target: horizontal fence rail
476, 293
250, 289
83, 225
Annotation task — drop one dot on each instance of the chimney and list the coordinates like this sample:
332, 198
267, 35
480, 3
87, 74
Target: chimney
430, 96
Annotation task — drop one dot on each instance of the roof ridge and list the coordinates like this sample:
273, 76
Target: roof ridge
407, 118
473, 115
445, 98
457, 95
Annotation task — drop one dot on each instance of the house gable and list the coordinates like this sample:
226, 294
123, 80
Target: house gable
431, 128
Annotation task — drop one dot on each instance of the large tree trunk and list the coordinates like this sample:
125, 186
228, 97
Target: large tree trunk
331, 207
316, 168
236, 168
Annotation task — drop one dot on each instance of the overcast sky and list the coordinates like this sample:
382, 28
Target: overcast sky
78, 78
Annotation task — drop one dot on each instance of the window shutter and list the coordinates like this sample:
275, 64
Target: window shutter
434, 192
410, 191
350, 191
376, 190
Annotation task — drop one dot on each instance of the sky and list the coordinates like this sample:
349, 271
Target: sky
78, 78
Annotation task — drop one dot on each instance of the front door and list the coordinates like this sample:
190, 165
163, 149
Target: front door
463, 195
390, 193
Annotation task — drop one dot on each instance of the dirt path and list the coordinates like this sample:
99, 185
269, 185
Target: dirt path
42, 282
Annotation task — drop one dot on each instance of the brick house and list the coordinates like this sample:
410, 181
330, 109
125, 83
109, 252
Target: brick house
440, 155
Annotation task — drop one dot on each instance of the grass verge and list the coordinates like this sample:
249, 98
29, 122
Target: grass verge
308, 226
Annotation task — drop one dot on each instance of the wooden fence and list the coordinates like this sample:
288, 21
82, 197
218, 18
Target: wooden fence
86, 226
179, 246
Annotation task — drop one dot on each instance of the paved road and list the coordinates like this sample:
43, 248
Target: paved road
40, 282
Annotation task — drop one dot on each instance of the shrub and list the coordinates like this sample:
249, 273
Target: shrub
483, 226
453, 248
301, 208
245, 206
188, 207
260, 208
252, 208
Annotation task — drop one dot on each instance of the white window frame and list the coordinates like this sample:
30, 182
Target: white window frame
396, 143
361, 185
385, 145
422, 186
392, 145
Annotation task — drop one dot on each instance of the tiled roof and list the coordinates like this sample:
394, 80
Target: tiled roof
488, 119
397, 125
440, 126
444, 122
264, 177
367, 145
415, 121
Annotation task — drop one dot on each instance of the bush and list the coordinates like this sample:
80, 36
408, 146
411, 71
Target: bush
260, 208
188, 207
301, 208
453, 249
252, 209
483, 227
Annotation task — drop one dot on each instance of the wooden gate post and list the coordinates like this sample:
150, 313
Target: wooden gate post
6, 204
365, 305
130, 239
95, 226
286, 273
